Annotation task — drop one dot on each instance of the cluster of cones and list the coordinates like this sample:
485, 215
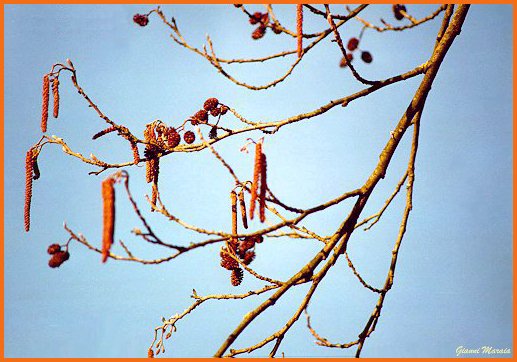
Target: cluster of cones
58, 256
243, 250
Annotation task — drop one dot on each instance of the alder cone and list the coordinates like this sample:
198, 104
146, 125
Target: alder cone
141, 19
210, 104
259, 32
53, 248
343, 63
255, 18
353, 43
366, 57
215, 111
201, 116
58, 259
397, 11
189, 137
236, 277
173, 137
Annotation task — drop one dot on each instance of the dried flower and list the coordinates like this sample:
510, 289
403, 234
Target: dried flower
108, 199
299, 29
44, 109
55, 92
224, 109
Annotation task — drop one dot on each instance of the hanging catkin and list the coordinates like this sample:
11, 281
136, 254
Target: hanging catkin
263, 187
299, 29
233, 198
256, 177
149, 165
55, 92
28, 188
44, 109
136, 155
243, 209
108, 199
103, 132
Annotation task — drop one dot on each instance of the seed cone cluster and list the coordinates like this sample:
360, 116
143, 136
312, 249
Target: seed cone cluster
243, 250
262, 19
108, 199
58, 256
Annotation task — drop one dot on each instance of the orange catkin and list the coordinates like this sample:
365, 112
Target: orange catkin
108, 199
299, 29
233, 198
136, 155
55, 92
243, 209
263, 187
44, 109
256, 176
29, 162
149, 165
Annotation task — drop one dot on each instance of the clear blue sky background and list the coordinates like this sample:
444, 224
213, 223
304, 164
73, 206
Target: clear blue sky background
453, 285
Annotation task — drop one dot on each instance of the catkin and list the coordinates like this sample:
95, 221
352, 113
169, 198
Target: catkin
103, 132
299, 29
136, 155
256, 176
263, 187
55, 92
154, 196
233, 198
243, 209
28, 188
108, 199
44, 109
149, 165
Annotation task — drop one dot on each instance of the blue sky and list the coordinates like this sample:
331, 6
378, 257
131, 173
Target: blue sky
453, 285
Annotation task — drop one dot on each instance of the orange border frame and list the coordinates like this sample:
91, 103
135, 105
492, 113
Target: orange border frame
2, 155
